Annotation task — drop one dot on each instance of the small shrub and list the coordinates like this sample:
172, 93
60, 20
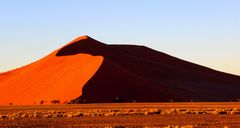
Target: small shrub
42, 102
117, 99
55, 101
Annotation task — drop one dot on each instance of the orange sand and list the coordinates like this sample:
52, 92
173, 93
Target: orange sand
51, 78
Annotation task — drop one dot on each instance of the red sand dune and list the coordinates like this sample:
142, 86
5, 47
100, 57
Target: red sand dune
86, 70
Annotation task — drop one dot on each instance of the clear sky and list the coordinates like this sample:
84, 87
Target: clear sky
205, 32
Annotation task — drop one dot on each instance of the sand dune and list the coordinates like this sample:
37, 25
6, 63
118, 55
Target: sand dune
86, 70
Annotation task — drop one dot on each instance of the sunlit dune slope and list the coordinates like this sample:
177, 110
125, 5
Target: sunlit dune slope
86, 70
51, 78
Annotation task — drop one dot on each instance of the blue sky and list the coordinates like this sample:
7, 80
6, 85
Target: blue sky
205, 32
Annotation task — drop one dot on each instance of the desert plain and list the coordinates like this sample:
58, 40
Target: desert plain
121, 115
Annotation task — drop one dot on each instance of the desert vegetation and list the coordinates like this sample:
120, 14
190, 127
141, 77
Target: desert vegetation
169, 115
118, 112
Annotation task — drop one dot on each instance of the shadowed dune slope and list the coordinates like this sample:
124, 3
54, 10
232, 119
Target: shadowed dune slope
86, 70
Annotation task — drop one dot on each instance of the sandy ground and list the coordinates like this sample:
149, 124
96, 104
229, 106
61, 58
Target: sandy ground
176, 115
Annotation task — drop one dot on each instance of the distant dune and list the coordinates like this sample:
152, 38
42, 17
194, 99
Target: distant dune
89, 71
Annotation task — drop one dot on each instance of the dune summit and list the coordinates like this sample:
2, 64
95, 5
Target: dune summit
86, 70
